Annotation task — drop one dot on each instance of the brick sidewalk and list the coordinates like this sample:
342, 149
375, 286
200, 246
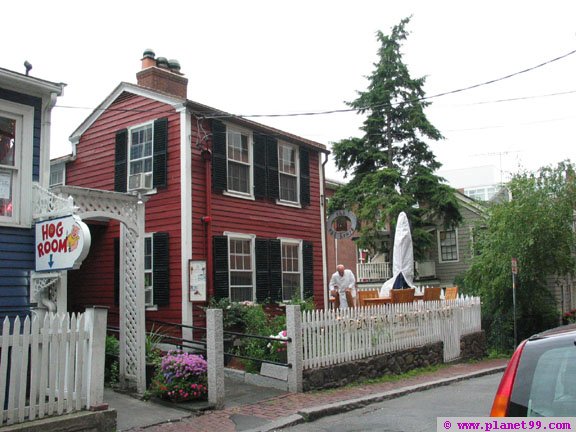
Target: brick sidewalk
290, 404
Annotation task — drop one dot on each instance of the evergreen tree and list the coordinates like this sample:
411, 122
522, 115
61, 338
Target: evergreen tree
391, 166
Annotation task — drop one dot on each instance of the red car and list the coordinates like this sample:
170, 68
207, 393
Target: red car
540, 379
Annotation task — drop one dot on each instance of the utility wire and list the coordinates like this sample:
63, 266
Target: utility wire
345, 110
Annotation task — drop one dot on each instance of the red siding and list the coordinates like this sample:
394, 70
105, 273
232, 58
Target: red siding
262, 218
94, 168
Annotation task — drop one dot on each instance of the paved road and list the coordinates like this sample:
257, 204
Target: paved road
416, 411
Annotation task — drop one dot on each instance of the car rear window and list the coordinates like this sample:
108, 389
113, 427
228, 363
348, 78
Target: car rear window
545, 383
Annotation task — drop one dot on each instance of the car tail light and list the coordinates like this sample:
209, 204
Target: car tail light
502, 398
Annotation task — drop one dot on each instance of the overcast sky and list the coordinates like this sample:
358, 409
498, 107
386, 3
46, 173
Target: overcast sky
282, 57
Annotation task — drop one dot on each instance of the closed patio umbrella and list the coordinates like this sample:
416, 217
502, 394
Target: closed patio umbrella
402, 260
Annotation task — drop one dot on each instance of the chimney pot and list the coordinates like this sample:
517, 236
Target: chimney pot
149, 53
148, 59
162, 75
161, 62
174, 65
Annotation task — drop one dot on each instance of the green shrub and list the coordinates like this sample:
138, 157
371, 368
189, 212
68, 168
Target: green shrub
111, 365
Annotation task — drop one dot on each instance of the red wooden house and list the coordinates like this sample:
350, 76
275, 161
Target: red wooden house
238, 198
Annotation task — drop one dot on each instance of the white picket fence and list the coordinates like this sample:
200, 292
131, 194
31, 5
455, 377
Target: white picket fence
337, 336
51, 366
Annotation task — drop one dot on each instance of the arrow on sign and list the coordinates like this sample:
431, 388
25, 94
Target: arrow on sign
51, 262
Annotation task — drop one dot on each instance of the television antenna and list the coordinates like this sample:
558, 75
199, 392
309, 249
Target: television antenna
499, 154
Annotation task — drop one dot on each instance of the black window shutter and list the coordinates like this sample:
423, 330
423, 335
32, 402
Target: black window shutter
275, 263
160, 152
121, 161
221, 284
161, 281
308, 269
116, 272
262, 270
259, 156
272, 168
219, 175
304, 176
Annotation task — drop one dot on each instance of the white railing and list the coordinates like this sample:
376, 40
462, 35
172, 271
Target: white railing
338, 336
378, 271
51, 366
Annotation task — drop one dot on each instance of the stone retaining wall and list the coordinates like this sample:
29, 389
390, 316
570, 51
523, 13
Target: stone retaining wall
472, 346
386, 364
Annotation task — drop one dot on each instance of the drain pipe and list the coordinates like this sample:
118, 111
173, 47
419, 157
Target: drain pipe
207, 219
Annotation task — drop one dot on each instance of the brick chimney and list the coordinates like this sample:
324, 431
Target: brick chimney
162, 75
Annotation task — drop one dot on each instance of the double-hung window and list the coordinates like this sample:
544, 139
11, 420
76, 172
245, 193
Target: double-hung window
57, 174
288, 172
241, 265
291, 270
9, 127
448, 245
16, 126
148, 271
239, 160
140, 156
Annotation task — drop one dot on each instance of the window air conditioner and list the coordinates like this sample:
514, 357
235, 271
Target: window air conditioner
140, 181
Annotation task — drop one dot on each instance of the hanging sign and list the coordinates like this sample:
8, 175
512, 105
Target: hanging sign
61, 243
342, 224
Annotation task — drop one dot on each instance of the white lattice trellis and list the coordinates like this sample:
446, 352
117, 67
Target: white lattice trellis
48, 205
129, 210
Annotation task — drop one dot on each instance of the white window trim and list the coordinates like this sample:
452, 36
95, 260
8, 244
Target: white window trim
129, 150
299, 243
22, 186
242, 236
248, 133
297, 175
440, 260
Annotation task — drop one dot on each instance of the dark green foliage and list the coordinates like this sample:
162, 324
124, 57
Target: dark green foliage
111, 368
536, 228
392, 167
258, 323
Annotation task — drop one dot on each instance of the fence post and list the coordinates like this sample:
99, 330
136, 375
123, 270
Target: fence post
294, 329
215, 357
96, 317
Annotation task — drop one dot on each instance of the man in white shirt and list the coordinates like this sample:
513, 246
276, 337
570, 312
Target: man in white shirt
343, 285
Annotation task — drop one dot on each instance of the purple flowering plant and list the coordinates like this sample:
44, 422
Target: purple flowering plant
182, 377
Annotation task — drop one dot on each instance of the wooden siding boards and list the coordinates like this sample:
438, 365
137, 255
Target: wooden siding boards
448, 271
17, 257
94, 167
